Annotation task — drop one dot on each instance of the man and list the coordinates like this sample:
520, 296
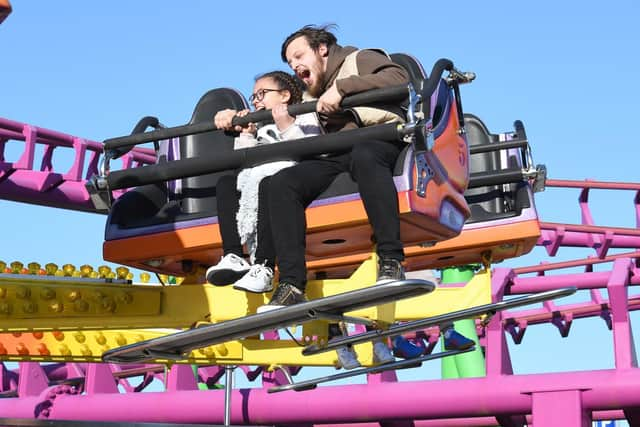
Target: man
331, 72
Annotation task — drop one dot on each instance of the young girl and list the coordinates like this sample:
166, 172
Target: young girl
242, 213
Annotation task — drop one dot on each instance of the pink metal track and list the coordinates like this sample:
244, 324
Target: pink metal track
26, 180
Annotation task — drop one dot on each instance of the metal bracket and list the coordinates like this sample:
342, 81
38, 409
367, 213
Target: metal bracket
424, 172
97, 185
340, 318
402, 364
99, 193
541, 178
413, 112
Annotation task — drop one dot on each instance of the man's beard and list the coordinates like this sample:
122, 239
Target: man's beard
316, 89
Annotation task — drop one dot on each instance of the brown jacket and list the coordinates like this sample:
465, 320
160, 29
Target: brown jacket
376, 71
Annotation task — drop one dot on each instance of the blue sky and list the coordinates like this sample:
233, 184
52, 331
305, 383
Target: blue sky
568, 70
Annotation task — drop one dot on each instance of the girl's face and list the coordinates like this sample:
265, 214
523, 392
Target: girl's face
266, 94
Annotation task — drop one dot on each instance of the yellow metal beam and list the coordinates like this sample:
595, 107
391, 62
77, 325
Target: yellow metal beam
77, 319
88, 346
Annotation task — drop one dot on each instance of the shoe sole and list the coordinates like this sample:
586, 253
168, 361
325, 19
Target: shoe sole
460, 348
351, 367
253, 291
225, 277
268, 308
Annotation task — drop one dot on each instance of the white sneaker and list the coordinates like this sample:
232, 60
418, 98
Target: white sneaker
381, 353
257, 280
348, 357
230, 268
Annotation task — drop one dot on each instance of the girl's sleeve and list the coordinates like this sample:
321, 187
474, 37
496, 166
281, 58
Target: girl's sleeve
305, 125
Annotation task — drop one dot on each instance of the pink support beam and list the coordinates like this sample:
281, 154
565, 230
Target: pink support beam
559, 408
474, 397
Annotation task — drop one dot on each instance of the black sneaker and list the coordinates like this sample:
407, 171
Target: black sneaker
389, 269
286, 294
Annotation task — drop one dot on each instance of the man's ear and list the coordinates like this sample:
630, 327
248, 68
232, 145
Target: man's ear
323, 50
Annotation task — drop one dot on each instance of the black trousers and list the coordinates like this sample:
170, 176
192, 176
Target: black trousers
293, 189
227, 200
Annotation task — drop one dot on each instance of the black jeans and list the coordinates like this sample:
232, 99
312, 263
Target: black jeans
291, 190
227, 200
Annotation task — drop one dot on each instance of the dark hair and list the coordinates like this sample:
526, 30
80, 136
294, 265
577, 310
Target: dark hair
286, 81
315, 35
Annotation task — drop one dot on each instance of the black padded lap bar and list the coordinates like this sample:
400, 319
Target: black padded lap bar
388, 94
496, 146
498, 177
300, 149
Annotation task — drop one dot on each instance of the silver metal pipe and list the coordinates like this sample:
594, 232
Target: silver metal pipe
228, 387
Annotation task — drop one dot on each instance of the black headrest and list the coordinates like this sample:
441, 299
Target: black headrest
215, 100
412, 65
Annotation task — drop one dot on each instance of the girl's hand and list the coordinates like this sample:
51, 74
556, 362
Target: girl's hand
281, 117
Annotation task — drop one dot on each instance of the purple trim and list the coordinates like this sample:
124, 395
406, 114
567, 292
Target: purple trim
113, 232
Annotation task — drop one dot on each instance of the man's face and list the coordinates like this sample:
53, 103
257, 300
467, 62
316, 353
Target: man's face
308, 64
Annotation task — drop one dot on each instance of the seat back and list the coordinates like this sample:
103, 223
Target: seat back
495, 201
198, 193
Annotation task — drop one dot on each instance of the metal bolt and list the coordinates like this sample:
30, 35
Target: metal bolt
47, 294
23, 292
73, 295
121, 340
5, 308
29, 307
100, 339
85, 350
22, 349
108, 304
125, 297
56, 307
81, 305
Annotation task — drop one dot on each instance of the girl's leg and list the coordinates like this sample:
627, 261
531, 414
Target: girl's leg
265, 250
227, 197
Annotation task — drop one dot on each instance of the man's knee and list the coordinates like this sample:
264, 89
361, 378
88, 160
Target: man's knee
282, 184
361, 155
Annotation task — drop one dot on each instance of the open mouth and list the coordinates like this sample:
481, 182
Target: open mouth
304, 75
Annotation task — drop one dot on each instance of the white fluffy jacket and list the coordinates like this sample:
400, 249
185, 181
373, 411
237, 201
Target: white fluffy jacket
249, 179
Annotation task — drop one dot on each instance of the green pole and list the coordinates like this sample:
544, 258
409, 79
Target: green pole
469, 364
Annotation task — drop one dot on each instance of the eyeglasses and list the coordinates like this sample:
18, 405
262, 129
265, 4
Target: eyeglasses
259, 95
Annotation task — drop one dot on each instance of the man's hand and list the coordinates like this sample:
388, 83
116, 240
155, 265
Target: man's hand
250, 127
281, 117
329, 102
224, 118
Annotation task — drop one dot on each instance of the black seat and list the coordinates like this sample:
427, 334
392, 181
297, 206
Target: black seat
198, 193
344, 184
151, 205
496, 201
